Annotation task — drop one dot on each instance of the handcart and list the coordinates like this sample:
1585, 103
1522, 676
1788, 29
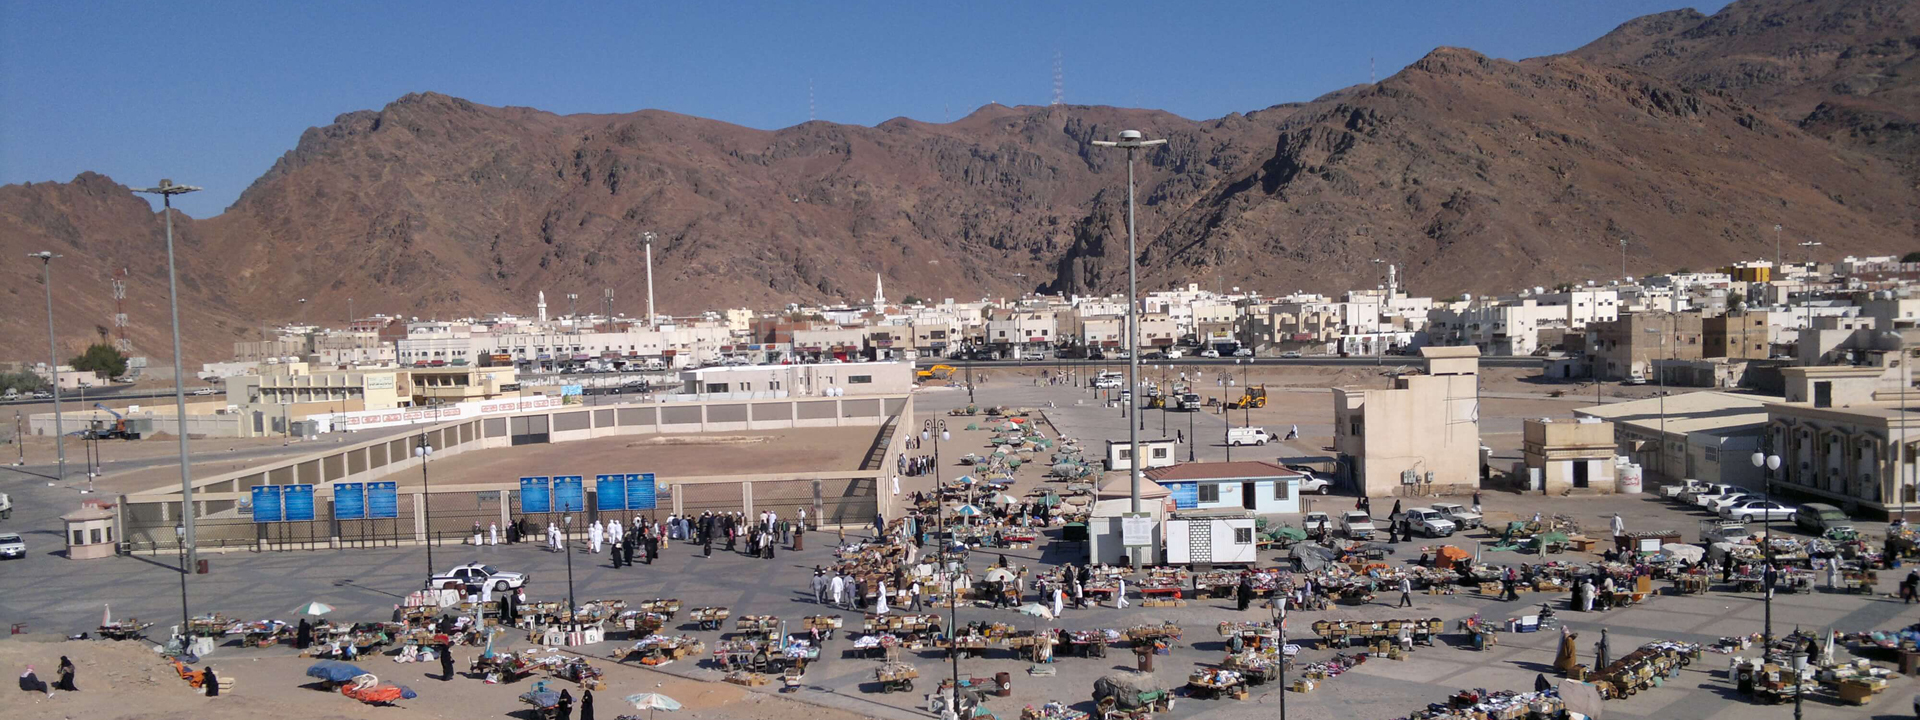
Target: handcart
896, 677
710, 618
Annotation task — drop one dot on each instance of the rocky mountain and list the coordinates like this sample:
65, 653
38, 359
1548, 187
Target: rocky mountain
1848, 71
1470, 173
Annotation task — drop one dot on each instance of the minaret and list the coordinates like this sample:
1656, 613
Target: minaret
879, 297
543, 306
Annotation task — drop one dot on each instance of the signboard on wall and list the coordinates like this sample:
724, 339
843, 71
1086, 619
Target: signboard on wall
569, 494
610, 492
1136, 530
297, 502
349, 501
535, 495
266, 503
641, 493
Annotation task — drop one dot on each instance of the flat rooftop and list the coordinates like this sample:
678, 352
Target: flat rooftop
1686, 413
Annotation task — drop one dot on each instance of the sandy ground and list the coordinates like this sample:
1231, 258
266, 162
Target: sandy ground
127, 680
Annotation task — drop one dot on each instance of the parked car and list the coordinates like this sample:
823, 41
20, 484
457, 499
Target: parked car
12, 547
1247, 436
1675, 490
1314, 521
204, 391
1291, 354
1462, 516
1721, 502
1700, 497
1753, 510
1357, 525
1312, 483
1209, 353
472, 577
1817, 517
1243, 352
1430, 522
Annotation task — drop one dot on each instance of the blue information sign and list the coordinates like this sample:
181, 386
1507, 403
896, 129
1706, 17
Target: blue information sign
298, 501
266, 503
535, 496
569, 494
610, 492
640, 492
383, 500
349, 501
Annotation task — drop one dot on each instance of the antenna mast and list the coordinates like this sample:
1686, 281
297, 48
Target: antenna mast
1059, 81
810, 108
120, 342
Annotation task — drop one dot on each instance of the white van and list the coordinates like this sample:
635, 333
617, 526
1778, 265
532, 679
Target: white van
1247, 436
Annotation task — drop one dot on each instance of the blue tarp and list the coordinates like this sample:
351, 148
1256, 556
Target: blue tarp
334, 671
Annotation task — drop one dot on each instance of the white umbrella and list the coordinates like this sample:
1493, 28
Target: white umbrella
1005, 499
968, 510
1037, 610
1000, 575
652, 702
315, 608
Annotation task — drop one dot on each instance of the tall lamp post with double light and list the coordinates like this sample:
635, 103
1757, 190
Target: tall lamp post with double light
936, 430
568, 521
1133, 141
1280, 628
180, 538
166, 190
424, 451
1769, 465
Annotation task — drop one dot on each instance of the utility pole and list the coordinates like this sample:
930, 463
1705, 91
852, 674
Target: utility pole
647, 238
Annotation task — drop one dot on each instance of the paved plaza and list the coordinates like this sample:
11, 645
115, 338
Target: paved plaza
49, 594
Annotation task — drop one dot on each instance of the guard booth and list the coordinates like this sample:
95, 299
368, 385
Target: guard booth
89, 533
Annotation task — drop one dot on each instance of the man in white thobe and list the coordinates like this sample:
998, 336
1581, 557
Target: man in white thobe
1120, 595
838, 588
493, 533
1619, 525
615, 531
880, 604
553, 536
594, 536
1059, 601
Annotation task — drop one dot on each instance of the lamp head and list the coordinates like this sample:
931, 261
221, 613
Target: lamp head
1124, 135
1759, 459
1773, 462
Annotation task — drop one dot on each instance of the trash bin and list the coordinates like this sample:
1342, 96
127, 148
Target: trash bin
1005, 681
1143, 657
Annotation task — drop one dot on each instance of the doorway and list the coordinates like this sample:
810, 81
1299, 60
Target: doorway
1248, 498
1580, 473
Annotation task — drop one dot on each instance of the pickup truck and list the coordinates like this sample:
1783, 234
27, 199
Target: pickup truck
1701, 496
1316, 520
1312, 483
1675, 490
1357, 525
472, 577
1430, 523
1462, 516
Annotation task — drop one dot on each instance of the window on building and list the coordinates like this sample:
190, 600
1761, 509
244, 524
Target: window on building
1356, 428
1243, 536
1209, 492
716, 387
1280, 489
79, 537
1126, 453
859, 379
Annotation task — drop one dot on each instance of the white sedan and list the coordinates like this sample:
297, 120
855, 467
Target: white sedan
1723, 502
1753, 510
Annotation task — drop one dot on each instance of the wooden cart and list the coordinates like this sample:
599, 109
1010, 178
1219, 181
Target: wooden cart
127, 629
710, 618
663, 606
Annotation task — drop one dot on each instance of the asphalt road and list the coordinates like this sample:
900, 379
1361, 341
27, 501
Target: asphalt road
1308, 361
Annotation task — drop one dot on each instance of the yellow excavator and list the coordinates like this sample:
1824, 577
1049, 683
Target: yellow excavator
936, 372
1256, 397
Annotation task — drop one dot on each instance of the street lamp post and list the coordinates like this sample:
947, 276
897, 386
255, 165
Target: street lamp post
1770, 464
568, 521
180, 539
937, 431
424, 451
1133, 142
1280, 627
53, 363
166, 190
1192, 439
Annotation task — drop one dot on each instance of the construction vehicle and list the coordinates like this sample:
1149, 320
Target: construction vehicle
115, 429
1256, 397
1155, 399
936, 372
1189, 402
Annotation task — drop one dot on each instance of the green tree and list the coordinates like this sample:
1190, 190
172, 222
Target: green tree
912, 300
23, 382
1911, 257
101, 358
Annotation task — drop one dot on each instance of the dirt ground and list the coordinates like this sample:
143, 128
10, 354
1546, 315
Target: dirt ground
127, 680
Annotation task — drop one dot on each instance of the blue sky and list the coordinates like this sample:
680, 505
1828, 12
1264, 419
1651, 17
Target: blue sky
211, 93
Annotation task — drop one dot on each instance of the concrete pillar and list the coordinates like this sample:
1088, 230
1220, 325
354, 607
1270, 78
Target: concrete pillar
419, 518
506, 505
746, 497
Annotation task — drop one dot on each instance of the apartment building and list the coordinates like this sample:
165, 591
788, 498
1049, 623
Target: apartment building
1418, 437
1628, 346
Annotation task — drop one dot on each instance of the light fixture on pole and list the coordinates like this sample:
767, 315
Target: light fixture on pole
166, 190
1280, 630
424, 451
1133, 142
1770, 465
53, 364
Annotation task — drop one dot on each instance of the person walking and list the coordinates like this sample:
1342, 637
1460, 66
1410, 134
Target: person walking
1910, 587
209, 681
586, 705
653, 548
564, 710
303, 635
1243, 593
1476, 500
1120, 595
446, 662
1406, 592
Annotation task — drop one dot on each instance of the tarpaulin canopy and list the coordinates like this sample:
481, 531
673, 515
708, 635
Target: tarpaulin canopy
1290, 532
1551, 537
1453, 553
1689, 553
1310, 556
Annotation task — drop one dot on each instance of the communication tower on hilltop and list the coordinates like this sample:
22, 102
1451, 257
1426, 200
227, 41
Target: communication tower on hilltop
120, 340
810, 107
1059, 81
